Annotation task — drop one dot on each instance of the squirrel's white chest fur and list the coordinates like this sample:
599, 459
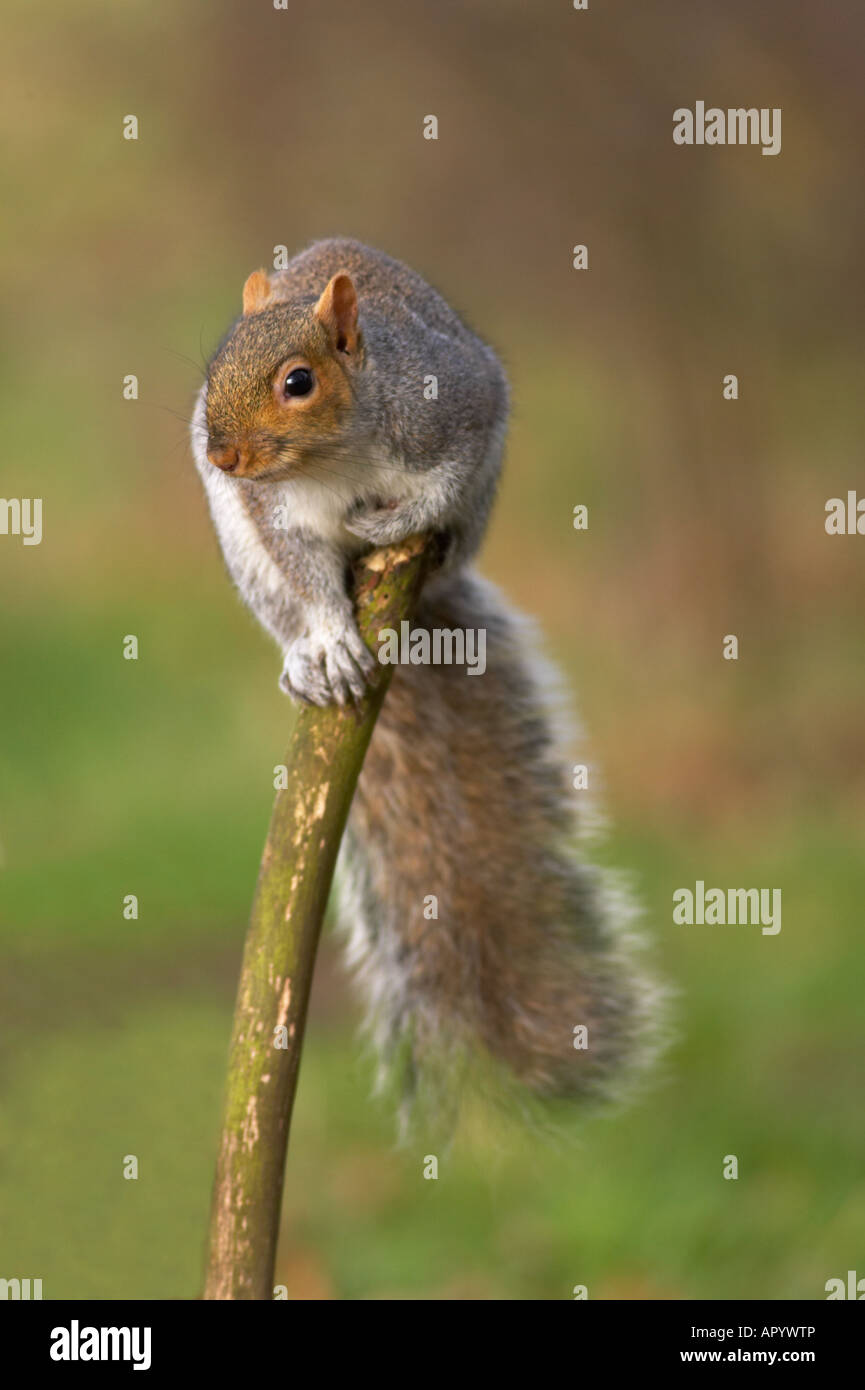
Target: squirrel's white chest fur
316, 504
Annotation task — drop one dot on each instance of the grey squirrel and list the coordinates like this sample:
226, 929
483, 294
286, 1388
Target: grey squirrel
315, 408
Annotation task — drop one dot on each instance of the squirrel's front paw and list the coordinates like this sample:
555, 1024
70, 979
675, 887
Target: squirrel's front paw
328, 666
383, 525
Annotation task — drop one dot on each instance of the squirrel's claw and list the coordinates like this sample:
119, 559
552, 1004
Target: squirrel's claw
328, 668
304, 688
344, 676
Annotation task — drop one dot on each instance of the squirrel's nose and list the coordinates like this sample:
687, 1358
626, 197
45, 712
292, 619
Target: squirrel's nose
225, 456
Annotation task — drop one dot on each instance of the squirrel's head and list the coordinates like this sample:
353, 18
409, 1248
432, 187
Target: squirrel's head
280, 389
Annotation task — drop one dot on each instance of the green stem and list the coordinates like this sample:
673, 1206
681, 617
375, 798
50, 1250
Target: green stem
324, 759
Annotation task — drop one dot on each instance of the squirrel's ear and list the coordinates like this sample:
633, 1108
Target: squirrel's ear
257, 293
337, 311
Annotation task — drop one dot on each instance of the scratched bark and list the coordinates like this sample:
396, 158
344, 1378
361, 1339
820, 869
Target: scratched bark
324, 758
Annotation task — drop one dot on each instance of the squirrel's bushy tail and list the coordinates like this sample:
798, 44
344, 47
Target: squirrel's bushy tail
478, 932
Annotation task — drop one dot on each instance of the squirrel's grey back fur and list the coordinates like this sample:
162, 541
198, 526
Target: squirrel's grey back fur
412, 334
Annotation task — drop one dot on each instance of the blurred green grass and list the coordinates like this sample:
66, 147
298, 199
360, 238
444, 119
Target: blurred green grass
128, 1057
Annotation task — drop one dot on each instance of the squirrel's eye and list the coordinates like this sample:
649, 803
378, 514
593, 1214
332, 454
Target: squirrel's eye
299, 382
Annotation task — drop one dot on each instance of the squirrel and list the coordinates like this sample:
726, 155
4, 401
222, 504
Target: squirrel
318, 403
